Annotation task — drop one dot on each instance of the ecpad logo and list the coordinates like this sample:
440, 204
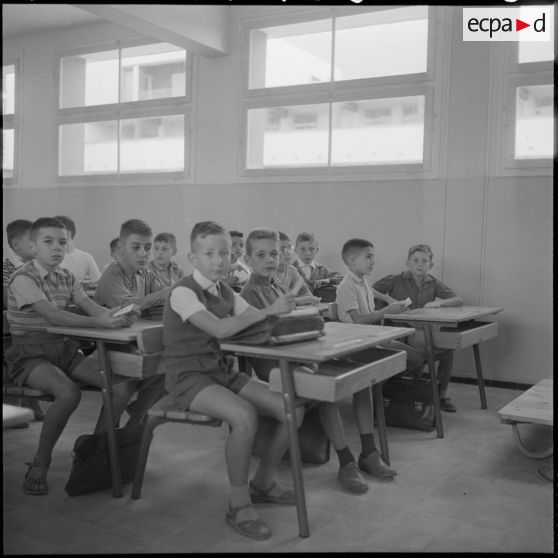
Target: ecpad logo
526, 23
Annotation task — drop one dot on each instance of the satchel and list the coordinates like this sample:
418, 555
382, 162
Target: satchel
313, 440
326, 293
298, 325
408, 403
91, 467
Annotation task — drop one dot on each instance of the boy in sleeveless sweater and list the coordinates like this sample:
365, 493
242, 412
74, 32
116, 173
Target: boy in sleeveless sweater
39, 295
200, 310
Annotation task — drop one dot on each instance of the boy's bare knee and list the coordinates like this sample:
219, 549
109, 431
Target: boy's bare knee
244, 420
69, 394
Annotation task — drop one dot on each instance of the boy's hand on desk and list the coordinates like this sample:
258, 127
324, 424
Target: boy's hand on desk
433, 304
285, 303
108, 320
304, 300
394, 308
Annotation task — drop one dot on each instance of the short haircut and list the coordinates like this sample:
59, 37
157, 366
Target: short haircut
353, 246
283, 237
421, 248
166, 237
113, 244
205, 228
305, 237
16, 229
44, 223
134, 226
68, 224
259, 234
236, 233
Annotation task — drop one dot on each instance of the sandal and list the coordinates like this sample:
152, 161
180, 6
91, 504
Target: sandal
258, 496
37, 485
252, 528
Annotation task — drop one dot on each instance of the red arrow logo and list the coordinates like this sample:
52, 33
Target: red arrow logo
519, 25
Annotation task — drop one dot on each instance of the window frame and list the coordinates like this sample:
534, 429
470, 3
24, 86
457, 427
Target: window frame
12, 121
150, 108
433, 84
511, 74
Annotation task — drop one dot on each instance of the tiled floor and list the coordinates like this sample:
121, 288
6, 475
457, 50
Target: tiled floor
471, 491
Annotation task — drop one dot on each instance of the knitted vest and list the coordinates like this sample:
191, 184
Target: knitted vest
182, 339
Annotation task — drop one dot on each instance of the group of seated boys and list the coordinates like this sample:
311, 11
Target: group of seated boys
236, 282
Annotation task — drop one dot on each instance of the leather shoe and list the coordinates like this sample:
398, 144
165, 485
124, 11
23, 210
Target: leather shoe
446, 404
374, 465
350, 479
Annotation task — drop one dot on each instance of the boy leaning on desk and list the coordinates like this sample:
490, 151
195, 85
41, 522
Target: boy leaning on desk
39, 294
261, 291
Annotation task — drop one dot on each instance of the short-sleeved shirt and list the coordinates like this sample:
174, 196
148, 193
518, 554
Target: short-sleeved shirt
33, 283
166, 276
118, 286
185, 302
82, 265
291, 280
403, 285
9, 266
314, 273
354, 293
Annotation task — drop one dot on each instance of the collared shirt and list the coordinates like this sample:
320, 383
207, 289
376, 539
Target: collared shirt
240, 270
261, 292
185, 302
317, 273
82, 265
291, 281
166, 275
354, 293
33, 283
119, 286
9, 266
403, 285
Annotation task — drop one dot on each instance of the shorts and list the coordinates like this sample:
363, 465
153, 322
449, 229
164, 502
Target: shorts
186, 377
22, 357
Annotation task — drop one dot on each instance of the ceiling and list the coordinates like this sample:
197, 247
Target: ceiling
29, 18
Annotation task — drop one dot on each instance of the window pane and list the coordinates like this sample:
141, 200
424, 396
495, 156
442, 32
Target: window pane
152, 144
89, 79
381, 43
153, 72
7, 153
88, 148
8, 89
378, 131
292, 136
534, 127
290, 54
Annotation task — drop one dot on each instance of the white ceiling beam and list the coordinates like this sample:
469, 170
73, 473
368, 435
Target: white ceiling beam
202, 29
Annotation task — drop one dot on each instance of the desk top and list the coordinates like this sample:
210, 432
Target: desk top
12, 415
533, 405
450, 314
119, 335
339, 339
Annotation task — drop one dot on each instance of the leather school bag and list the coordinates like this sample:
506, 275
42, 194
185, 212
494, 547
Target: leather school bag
408, 403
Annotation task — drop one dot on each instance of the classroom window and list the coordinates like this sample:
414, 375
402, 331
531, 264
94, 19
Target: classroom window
124, 111
350, 90
8, 118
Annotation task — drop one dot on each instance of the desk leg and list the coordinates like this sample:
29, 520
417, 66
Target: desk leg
381, 419
480, 379
294, 448
111, 435
433, 379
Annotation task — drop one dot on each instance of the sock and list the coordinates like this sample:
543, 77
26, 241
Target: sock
368, 444
345, 456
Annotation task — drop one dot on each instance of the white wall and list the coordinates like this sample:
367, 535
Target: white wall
491, 236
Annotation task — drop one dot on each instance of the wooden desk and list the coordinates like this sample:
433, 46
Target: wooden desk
533, 406
340, 340
13, 415
460, 336
101, 337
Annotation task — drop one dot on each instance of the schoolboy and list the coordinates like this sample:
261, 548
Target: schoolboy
425, 291
40, 293
80, 263
238, 272
113, 248
315, 275
130, 281
17, 233
261, 291
201, 310
288, 277
163, 264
